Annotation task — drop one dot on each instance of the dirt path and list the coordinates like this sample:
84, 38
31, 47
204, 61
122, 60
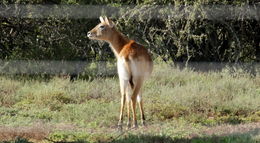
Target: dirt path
233, 129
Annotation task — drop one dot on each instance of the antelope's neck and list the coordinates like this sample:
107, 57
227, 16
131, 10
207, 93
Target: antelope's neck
117, 42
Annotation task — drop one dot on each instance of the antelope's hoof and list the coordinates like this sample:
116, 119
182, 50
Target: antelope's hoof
119, 128
143, 124
135, 126
128, 125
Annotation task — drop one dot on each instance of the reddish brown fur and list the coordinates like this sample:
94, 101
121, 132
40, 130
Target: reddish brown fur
135, 51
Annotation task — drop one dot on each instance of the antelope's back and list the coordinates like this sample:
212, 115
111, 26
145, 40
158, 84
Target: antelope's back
140, 60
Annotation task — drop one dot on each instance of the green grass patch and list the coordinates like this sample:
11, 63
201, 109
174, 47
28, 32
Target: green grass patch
177, 103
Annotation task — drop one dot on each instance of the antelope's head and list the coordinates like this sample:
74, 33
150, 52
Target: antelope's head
103, 31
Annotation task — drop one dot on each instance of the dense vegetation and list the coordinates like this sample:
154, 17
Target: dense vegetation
180, 106
221, 39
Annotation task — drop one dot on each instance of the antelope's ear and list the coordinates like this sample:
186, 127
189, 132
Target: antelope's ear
101, 19
109, 22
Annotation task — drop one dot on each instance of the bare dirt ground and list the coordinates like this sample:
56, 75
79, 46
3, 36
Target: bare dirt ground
40, 131
224, 130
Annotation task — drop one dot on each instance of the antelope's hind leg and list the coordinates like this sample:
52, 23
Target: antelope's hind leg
140, 103
136, 90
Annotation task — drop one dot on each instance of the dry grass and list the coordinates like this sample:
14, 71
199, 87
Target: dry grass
228, 129
41, 131
36, 132
178, 104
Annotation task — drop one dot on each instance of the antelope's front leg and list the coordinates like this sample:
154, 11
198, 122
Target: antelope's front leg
123, 85
136, 90
120, 122
128, 100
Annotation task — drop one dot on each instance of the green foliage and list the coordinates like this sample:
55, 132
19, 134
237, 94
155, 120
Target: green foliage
192, 39
20, 140
172, 38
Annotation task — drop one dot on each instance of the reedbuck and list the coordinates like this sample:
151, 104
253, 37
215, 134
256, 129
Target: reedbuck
134, 65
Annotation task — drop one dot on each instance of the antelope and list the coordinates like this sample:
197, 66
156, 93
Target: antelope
134, 65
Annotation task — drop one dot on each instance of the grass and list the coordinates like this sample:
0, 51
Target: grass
180, 105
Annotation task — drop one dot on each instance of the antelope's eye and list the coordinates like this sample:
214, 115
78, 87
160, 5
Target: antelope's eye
102, 27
